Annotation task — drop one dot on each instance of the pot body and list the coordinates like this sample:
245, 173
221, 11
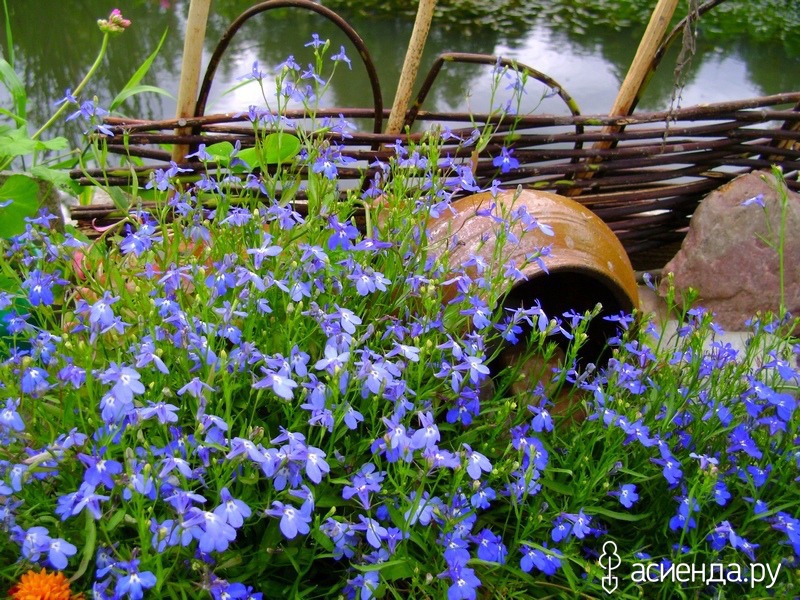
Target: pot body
586, 263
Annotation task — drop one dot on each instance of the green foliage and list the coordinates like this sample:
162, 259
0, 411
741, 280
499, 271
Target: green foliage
17, 142
19, 199
16, 90
206, 384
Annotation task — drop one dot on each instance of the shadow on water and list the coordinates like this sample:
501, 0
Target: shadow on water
586, 46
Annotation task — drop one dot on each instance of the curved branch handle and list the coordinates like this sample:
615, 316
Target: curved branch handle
356, 40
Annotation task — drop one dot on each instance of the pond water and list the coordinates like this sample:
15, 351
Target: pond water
53, 48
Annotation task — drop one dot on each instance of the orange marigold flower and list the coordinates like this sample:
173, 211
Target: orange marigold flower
42, 585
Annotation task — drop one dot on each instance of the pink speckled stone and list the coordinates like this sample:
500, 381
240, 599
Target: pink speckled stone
726, 259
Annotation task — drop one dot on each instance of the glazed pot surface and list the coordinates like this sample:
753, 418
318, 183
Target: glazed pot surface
586, 263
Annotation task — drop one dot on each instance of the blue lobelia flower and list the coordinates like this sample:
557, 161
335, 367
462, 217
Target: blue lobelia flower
367, 584
342, 234
279, 382
165, 534
483, 497
546, 562
465, 583
163, 412
212, 532
671, 468
232, 510
333, 360
10, 418
505, 161
99, 470
196, 388
476, 462
580, 524
58, 551
315, 463
342, 57
561, 529
34, 541
375, 532
72, 504
126, 382
34, 381
456, 550
426, 436
740, 441
293, 520
490, 547
134, 582
101, 314
627, 494
40, 287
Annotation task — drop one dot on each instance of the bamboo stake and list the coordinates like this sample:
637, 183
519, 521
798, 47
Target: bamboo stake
642, 62
637, 73
190, 69
408, 75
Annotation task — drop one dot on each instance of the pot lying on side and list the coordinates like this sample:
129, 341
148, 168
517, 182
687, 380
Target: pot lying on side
587, 264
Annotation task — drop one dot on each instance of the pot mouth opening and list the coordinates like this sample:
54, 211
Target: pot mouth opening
578, 290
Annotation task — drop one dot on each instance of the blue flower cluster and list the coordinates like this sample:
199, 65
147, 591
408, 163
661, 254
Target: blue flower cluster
246, 400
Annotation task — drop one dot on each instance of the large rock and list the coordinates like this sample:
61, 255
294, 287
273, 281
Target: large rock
729, 253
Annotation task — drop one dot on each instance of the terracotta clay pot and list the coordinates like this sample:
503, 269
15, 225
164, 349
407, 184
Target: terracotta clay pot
587, 264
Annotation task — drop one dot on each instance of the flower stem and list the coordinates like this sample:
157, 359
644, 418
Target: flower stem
81, 85
783, 198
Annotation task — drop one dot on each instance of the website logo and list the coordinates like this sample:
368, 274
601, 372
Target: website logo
609, 560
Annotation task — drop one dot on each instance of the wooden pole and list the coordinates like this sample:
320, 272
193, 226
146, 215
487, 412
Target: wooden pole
642, 62
190, 68
408, 75
634, 79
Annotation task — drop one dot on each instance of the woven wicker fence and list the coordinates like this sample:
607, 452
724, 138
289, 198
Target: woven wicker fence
643, 174
645, 186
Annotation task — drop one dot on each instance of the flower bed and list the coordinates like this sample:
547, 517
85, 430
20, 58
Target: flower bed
220, 397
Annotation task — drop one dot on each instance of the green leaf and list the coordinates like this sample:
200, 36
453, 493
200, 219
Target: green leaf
119, 198
612, 514
557, 487
57, 143
23, 194
15, 87
279, 147
9, 34
7, 284
323, 540
275, 148
13, 117
220, 152
17, 142
58, 177
115, 519
133, 83
250, 156
395, 568
140, 89
89, 541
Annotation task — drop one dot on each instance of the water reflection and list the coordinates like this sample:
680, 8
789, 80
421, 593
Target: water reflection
54, 49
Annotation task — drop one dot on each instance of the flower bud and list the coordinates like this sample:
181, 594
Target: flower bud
115, 23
